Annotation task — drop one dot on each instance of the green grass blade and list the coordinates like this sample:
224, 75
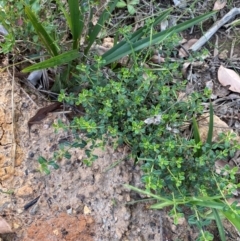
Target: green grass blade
162, 205
66, 15
233, 218
54, 61
196, 131
196, 135
219, 225
42, 33
140, 32
76, 21
102, 20
209, 204
146, 193
210, 130
146, 42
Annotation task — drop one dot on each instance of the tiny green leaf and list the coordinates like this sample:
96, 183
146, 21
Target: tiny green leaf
67, 155
121, 4
41, 160
53, 164
45, 169
131, 9
133, 2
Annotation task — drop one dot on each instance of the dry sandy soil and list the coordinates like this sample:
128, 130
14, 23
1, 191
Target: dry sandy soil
75, 202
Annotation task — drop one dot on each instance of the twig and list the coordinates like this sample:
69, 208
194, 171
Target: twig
232, 48
29, 97
230, 15
13, 149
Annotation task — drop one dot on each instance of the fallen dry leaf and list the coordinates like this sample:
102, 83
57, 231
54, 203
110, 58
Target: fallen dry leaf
232, 200
219, 127
42, 113
100, 49
220, 164
185, 69
182, 51
229, 77
157, 59
4, 226
223, 55
219, 4
108, 42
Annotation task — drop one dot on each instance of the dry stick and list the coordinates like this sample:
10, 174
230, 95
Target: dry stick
29, 97
232, 48
13, 154
230, 15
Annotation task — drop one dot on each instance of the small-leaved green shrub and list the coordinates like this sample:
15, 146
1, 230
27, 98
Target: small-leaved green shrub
139, 107
178, 171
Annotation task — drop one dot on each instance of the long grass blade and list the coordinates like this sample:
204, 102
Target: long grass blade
196, 135
146, 193
139, 33
42, 33
76, 21
196, 131
65, 13
210, 130
127, 48
102, 20
54, 61
233, 218
209, 204
219, 225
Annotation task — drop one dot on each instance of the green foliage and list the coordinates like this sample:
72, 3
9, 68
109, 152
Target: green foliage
45, 164
139, 107
130, 4
177, 171
12, 17
76, 19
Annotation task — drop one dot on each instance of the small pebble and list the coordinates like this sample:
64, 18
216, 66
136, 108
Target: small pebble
69, 211
31, 154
